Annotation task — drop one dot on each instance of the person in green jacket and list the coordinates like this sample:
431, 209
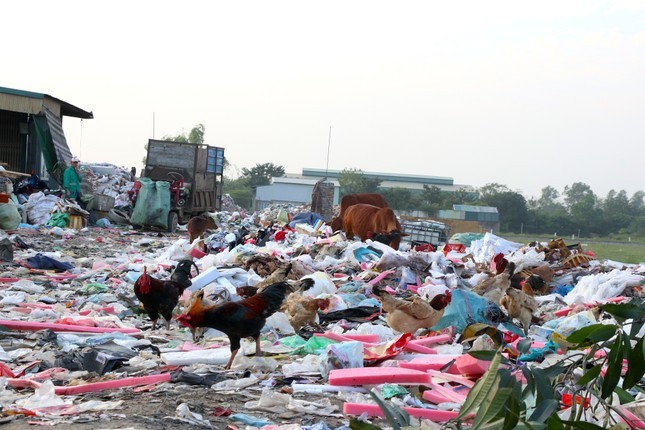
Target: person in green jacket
72, 181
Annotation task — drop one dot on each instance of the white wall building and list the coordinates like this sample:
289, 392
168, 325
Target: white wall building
289, 190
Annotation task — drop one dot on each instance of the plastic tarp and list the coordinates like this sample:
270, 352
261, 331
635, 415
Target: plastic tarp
51, 138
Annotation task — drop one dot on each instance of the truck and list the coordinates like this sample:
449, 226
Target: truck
195, 173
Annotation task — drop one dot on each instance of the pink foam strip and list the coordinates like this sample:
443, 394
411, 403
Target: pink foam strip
35, 305
380, 277
111, 385
630, 419
469, 365
428, 362
375, 410
35, 326
431, 340
453, 378
435, 397
373, 338
22, 383
415, 347
342, 338
377, 375
446, 392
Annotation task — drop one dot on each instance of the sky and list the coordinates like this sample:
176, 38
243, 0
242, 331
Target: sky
523, 94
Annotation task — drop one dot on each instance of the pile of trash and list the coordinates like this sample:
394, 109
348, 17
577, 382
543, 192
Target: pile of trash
71, 325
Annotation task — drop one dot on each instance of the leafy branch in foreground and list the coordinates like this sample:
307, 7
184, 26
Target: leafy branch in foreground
600, 365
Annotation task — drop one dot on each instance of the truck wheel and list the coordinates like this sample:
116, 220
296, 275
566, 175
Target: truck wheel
173, 219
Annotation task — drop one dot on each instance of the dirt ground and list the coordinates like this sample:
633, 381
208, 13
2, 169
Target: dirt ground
157, 409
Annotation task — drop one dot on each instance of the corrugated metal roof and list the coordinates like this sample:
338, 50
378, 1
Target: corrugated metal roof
399, 177
66, 109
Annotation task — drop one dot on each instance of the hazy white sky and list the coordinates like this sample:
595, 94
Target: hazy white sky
525, 94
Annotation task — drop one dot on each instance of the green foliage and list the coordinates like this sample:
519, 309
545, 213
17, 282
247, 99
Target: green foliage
196, 136
354, 181
261, 174
400, 199
512, 206
500, 400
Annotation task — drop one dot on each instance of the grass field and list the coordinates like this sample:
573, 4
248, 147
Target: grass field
604, 248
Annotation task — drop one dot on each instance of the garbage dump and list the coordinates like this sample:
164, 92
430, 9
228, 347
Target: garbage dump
513, 333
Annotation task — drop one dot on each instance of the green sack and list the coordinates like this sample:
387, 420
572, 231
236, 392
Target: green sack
9, 216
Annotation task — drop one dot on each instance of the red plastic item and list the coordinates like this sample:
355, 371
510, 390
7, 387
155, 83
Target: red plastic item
457, 247
424, 248
566, 400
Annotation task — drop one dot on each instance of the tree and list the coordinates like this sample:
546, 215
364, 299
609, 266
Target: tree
548, 200
510, 205
637, 204
431, 199
261, 174
400, 199
354, 181
581, 203
196, 136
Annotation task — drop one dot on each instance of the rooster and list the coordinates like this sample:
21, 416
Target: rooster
239, 319
495, 287
302, 310
409, 316
158, 296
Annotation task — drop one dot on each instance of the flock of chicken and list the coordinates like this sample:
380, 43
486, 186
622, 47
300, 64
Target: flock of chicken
246, 315
237, 319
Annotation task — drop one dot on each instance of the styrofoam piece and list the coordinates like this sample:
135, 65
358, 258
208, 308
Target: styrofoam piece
452, 378
415, 347
433, 362
431, 340
377, 375
205, 356
206, 277
375, 410
35, 326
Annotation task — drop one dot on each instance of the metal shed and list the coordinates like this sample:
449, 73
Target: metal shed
31, 132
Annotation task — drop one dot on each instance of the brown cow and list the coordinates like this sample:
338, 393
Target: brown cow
348, 200
199, 225
369, 221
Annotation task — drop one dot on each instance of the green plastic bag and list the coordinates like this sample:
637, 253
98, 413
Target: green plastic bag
59, 219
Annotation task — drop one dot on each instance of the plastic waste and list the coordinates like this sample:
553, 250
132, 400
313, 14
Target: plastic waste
206, 277
104, 223
210, 356
184, 414
343, 355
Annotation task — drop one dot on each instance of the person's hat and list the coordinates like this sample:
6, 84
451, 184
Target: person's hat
75, 160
